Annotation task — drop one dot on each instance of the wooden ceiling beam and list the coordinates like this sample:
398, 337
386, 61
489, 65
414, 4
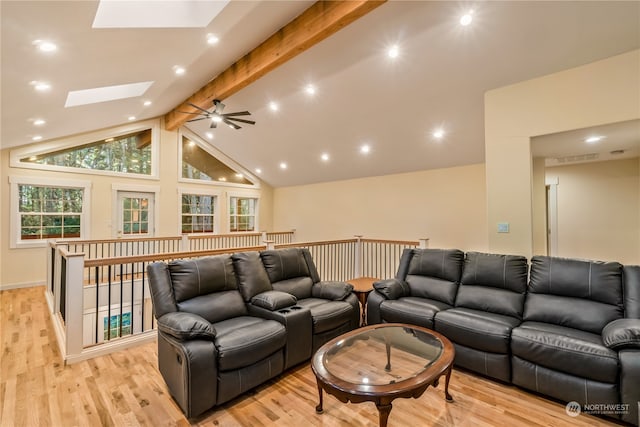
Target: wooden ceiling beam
315, 24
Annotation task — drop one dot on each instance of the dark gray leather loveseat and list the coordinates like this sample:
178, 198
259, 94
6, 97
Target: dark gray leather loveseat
223, 328
570, 329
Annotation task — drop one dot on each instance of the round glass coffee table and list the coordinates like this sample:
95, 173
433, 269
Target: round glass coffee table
380, 363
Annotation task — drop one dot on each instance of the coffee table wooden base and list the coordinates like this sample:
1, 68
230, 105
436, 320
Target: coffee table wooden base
383, 403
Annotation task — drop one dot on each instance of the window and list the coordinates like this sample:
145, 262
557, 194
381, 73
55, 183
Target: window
130, 153
198, 213
47, 210
242, 213
198, 164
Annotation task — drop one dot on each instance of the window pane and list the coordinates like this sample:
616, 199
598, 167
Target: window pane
30, 220
30, 233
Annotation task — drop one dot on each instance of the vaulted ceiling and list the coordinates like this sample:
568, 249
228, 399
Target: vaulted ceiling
363, 96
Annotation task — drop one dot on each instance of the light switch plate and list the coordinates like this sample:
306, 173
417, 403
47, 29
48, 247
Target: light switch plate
503, 227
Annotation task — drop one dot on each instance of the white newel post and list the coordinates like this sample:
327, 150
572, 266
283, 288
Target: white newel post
270, 244
265, 238
424, 243
51, 260
358, 263
74, 303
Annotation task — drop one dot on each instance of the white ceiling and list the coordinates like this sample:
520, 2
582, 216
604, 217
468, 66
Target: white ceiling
438, 80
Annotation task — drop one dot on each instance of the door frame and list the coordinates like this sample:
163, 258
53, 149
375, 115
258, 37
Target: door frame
552, 215
117, 188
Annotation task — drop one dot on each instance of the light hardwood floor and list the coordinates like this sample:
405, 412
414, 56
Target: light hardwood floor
126, 389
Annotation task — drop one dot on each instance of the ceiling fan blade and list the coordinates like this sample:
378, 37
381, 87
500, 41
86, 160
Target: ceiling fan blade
213, 125
201, 109
187, 112
251, 122
233, 125
195, 120
239, 113
219, 106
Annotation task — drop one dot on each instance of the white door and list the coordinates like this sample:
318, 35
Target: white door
135, 214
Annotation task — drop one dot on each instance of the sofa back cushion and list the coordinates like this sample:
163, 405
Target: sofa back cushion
631, 275
579, 294
493, 283
288, 271
251, 275
434, 273
207, 287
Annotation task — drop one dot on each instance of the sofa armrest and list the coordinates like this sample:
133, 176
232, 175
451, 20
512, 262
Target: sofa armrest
392, 288
186, 326
334, 291
273, 300
622, 334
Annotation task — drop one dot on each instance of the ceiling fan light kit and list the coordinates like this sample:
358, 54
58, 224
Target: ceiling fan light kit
217, 116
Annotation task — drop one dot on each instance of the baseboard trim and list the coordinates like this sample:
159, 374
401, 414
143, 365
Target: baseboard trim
10, 286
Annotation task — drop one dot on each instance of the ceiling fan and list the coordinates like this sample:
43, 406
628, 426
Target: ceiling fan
216, 116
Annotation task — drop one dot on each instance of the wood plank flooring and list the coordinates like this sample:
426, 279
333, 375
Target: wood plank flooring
126, 389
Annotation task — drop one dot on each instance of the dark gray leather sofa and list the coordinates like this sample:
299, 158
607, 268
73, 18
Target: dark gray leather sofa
572, 332
224, 329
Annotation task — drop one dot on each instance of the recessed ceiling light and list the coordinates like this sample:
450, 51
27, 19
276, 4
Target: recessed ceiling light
258, 170
212, 39
325, 157
438, 133
146, 103
192, 144
365, 149
179, 70
393, 51
45, 46
209, 135
466, 18
273, 106
283, 165
106, 93
109, 140
239, 175
37, 138
594, 139
32, 158
222, 178
131, 118
39, 122
41, 86
216, 119
310, 89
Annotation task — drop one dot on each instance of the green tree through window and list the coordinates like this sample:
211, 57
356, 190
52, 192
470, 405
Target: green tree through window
129, 153
49, 212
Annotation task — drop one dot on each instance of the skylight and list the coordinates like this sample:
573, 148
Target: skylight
157, 13
107, 93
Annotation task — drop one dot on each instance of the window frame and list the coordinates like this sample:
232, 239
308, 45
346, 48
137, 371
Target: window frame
183, 132
15, 224
79, 140
217, 194
256, 219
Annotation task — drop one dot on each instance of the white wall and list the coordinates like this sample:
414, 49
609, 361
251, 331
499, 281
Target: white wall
599, 210
446, 205
602, 92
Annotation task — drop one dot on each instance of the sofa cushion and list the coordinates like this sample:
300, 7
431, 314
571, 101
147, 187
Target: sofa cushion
283, 264
412, 310
299, 287
216, 306
435, 273
567, 350
476, 329
252, 277
327, 315
631, 276
575, 313
273, 300
200, 276
493, 283
244, 340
